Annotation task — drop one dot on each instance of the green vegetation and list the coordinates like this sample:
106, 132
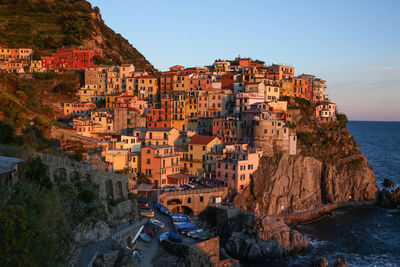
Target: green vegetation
47, 25
142, 178
32, 222
342, 119
306, 138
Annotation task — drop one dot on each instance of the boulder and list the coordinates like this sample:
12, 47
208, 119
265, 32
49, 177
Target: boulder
290, 240
384, 199
388, 183
395, 198
322, 263
249, 247
340, 262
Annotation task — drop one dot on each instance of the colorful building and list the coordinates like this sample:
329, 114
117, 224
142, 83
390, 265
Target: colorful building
237, 166
159, 162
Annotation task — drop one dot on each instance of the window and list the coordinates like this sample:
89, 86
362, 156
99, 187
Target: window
191, 147
148, 161
204, 148
189, 200
201, 199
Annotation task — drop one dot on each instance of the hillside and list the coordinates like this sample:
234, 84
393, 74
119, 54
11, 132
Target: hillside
46, 25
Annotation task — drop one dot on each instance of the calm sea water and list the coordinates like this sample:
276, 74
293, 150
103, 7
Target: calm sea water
364, 236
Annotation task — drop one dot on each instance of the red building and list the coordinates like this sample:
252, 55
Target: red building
72, 58
199, 82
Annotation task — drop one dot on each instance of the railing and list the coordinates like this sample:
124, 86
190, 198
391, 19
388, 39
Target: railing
193, 191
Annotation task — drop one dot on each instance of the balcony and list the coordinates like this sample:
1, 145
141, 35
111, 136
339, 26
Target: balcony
166, 155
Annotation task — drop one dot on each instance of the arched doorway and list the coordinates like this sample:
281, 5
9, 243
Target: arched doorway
183, 209
109, 190
176, 201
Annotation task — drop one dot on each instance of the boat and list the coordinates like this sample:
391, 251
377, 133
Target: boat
204, 236
148, 213
174, 237
136, 254
142, 199
187, 230
157, 223
164, 211
184, 226
143, 207
144, 237
178, 215
181, 220
197, 231
164, 236
158, 205
196, 235
148, 231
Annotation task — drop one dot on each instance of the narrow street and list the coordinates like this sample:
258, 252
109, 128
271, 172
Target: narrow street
149, 250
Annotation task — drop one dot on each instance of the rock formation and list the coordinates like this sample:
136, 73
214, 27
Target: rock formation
389, 183
289, 184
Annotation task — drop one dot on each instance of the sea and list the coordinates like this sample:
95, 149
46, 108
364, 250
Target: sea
362, 236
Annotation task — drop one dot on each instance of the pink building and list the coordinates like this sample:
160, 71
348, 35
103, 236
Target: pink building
325, 111
229, 129
245, 100
212, 104
238, 165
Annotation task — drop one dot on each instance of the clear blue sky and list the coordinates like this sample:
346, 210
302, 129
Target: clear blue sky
353, 44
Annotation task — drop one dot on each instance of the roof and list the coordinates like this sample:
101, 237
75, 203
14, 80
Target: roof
178, 176
201, 140
144, 187
7, 164
160, 146
160, 129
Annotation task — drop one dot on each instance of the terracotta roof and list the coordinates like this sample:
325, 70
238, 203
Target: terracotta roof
201, 139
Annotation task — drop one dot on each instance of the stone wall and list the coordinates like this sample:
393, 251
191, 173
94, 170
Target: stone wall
196, 199
110, 185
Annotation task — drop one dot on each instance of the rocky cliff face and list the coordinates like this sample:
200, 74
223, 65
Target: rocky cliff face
289, 184
328, 168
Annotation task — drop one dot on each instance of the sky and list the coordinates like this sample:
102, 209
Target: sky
352, 44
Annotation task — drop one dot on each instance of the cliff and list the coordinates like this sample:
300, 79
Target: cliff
329, 168
46, 25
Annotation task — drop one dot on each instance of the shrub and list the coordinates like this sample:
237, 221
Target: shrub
306, 138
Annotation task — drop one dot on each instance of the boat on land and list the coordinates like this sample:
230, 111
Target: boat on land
157, 223
164, 236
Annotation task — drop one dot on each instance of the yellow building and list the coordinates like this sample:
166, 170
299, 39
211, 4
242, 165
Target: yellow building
195, 159
117, 159
111, 99
5, 53
178, 111
147, 87
221, 67
182, 82
286, 88
271, 93
36, 66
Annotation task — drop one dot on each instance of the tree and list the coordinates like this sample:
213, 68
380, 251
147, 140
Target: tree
142, 178
37, 172
14, 235
7, 133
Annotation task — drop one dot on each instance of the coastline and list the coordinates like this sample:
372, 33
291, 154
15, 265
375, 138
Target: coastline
310, 216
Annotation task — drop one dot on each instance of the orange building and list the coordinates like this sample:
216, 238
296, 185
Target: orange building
159, 162
279, 72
